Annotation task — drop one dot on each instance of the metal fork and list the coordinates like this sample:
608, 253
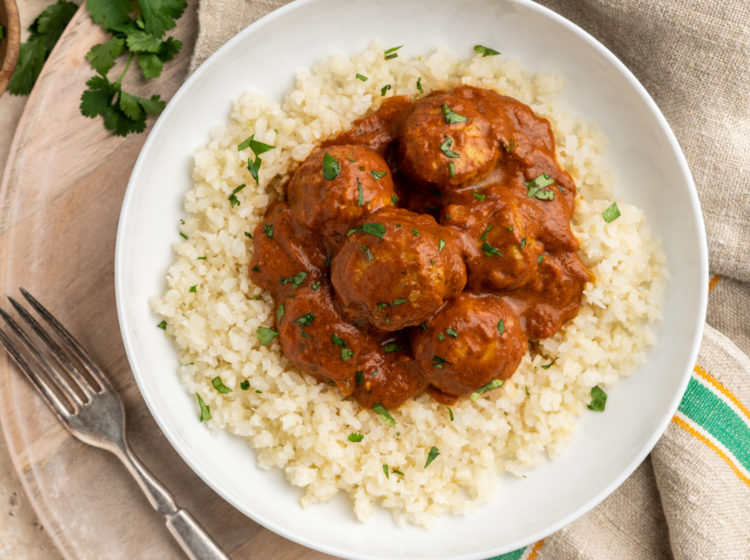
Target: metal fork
83, 399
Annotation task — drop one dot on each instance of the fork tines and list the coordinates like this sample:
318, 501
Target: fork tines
55, 363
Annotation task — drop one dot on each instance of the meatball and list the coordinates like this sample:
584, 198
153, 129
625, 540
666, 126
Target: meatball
337, 186
555, 295
447, 140
502, 252
396, 269
317, 340
389, 383
283, 260
471, 341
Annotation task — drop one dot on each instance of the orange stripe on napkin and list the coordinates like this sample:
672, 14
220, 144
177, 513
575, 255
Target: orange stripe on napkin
535, 550
713, 281
722, 389
689, 429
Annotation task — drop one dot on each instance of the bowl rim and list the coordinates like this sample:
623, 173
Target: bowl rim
702, 250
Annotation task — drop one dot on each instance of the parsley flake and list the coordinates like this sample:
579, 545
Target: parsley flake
205, 410
611, 213
295, 280
315, 286
489, 250
549, 365
360, 77
392, 347
360, 377
441, 246
387, 418
451, 332
360, 196
431, 455
378, 174
269, 230
536, 188
485, 51
219, 385
279, 312
450, 413
391, 53
337, 340
266, 335
355, 437
598, 399
193, 288
385, 470
245, 385
162, 325
233, 201
384, 89
305, 320
399, 301
451, 117
501, 326
347, 353
494, 384
368, 253
331, 167
394, 198
445, 147
419, 85
479, 196
376, 229
257, 147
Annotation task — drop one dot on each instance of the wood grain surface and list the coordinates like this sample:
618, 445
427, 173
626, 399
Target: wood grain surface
60, 199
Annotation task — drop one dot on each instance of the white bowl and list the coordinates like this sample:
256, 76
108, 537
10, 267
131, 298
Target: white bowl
651, 173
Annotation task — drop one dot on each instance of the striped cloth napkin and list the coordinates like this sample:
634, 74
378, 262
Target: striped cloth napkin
690, 499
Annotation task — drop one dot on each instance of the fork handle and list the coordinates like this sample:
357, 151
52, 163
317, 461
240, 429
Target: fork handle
192, 538
195, 542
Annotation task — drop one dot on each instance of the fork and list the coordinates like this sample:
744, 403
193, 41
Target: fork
82, 398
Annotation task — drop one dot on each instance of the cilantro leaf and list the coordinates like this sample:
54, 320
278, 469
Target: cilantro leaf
150, 64
494, 384
160, 15
598, 399
50, 24
102, 56
109, 13
140, 41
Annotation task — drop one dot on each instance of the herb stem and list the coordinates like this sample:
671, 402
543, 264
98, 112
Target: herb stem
125, 71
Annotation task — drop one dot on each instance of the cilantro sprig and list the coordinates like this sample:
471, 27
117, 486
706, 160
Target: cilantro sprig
137, 30
45, 30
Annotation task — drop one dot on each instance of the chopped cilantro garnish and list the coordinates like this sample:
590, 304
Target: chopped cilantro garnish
331, 167
378, 174
598, 399
526, 390
368, 253
193, 288
509, 147
489, 250
266, 335
441, 336
391, 53
347, 353
183, 235
219, 386
485, 51
360, 377
360, 196
162, 325
486, 231
539, 259
256, 268
431, 455
253, 166
233, 201
376, 229
305, 320
295, 280
451, 169
396, 471
451, 332
360, 77
450, 413
445, 147
248, 234
387, 418
424, 326
279, 312
501, 326
494, 384
201, 258
315, 286
337, 340
399, 301
205, 410
384, 89
392, 347
549, 365
245, 385
394, 199
479, 196
382, 304
355, 437
257, 147
385, 470
537, 188
611, 213
451, 117
419, 85
438, 362
441, 245
269, 230
523, 242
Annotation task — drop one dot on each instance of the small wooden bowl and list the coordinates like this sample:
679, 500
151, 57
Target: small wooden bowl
10, 44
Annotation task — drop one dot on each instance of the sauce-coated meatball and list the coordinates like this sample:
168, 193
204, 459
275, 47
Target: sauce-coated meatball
282, 258
396, 269
336, 186
389, 383
471, 341
316, 339
447, 140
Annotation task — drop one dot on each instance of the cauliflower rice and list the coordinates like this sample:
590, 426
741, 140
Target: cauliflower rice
293, 422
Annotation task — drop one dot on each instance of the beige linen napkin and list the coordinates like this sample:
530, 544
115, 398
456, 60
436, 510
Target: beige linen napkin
691, 498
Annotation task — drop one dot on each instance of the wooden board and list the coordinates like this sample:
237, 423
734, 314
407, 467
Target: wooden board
60, 200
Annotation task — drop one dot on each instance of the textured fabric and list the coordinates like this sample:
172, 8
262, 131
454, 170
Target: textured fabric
691, 498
